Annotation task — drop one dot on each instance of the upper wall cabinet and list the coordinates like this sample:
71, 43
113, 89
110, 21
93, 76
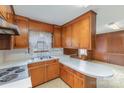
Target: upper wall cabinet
39, 26
6, 12
22, 41
82, 32
57, 37
75, 34
66, 36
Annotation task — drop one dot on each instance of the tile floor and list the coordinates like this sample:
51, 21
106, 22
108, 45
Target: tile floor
56, 83
117, 81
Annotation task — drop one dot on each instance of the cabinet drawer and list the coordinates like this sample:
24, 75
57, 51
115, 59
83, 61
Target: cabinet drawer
79, 75
36, 64
51, 62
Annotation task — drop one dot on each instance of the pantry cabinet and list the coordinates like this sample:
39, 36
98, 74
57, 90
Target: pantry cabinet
82, 32
42, 72
57, 37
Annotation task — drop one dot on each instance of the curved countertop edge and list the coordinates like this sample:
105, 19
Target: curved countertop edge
94, 76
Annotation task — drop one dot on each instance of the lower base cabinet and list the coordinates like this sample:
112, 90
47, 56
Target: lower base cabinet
52, 70
75, 79
37, 73
78, 82
42, 72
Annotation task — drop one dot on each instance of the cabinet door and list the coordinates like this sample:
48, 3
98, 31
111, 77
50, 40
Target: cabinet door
68, 36
67, 75
75, 34
57, 37
6, 13
64, 37
63, 73
78, 82
52, 70
37, 74
22, 41
85, 34
70, 78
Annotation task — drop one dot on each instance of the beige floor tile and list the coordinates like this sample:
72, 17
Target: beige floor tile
56, 83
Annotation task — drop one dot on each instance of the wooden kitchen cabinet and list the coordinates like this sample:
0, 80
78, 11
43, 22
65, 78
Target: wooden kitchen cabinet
78, 80
40, 26
70, 78
37, 73
67, 75
57, 37
52, 70
66, 36
63, 73
75, 79
84, 30
81, 32
7, 13
42, 72
76, 34
88, 31
22, 41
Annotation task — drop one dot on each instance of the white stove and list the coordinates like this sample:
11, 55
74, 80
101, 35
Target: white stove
13, 74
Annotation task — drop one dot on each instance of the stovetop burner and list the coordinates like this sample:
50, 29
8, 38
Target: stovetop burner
13, 68
4, 73
12, 74
9, 77
19, 70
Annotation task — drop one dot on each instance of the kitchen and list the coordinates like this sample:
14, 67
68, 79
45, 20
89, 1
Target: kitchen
61, 47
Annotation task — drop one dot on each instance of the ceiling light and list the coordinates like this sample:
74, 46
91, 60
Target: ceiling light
114, 26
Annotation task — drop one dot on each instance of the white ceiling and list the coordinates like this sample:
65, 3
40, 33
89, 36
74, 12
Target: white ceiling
61, 14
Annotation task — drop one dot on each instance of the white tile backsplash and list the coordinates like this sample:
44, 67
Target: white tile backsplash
52, 52
14, 55
22, 54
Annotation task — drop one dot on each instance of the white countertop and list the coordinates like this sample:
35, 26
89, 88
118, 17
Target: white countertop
88, 68
91, 69
22, 62
23, 83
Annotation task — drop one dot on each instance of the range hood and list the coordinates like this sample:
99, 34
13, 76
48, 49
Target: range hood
8, 28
